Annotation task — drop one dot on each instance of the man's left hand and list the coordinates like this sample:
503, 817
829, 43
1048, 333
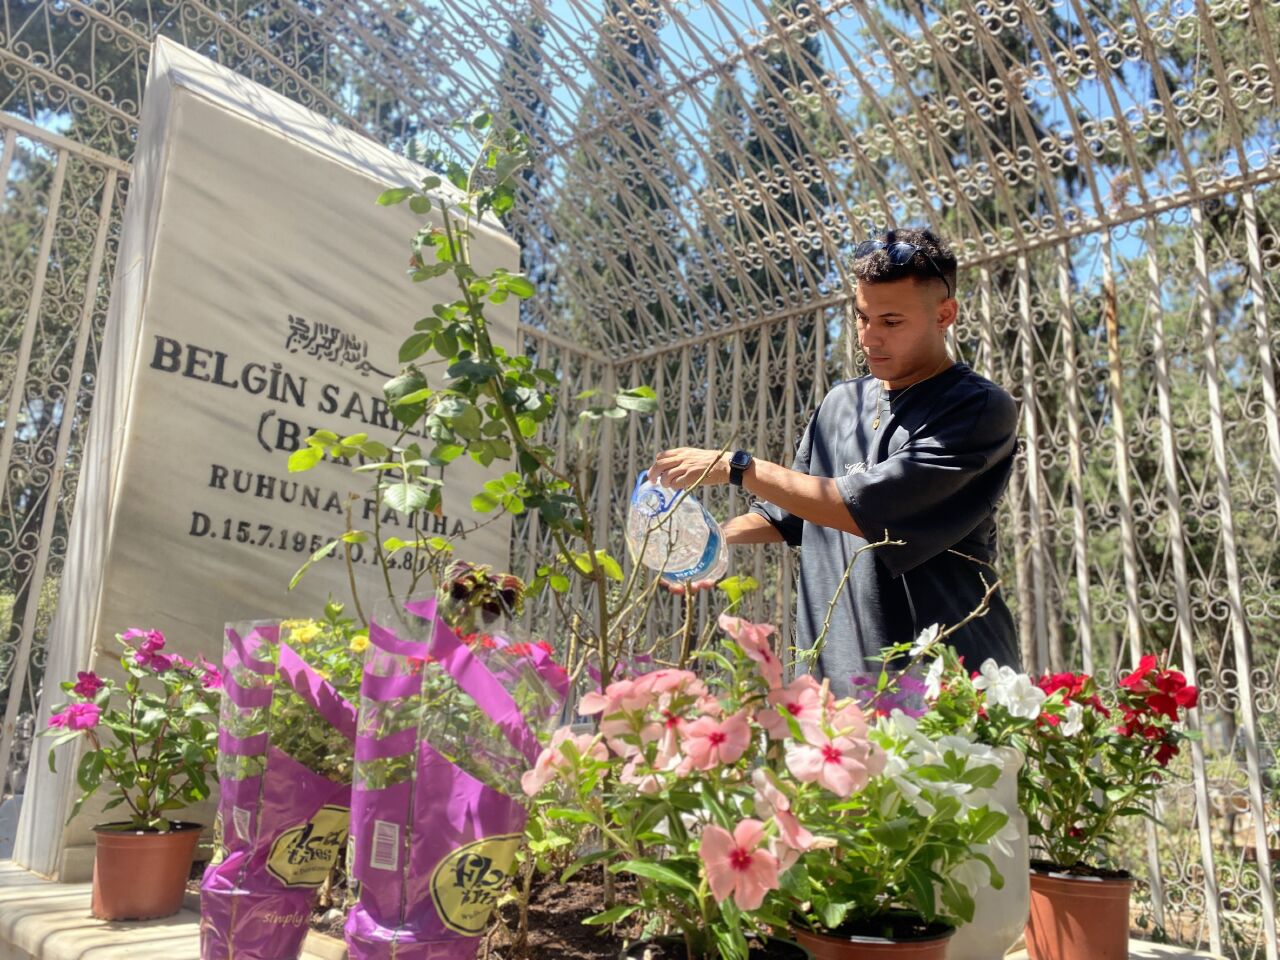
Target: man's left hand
681, 467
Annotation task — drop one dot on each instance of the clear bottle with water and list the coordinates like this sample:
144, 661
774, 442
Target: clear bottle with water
684, 543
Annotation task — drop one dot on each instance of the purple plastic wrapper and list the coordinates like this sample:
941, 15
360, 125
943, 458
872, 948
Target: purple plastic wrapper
281, 824
432, 842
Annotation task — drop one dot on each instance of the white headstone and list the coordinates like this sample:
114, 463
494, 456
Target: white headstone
259, 293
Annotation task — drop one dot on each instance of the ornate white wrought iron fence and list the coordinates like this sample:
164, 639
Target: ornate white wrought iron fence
1105, 166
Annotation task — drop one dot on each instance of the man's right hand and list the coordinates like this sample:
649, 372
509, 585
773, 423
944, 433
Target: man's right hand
696, 587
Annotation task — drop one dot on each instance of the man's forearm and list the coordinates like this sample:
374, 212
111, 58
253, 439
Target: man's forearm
816, 499
750, 528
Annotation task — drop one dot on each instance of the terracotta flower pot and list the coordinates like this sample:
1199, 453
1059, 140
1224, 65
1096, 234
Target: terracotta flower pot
672, 948
141, 874
1078, 918
929, 945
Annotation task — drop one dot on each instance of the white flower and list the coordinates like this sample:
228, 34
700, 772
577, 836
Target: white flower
928, 637
973, 875
1022, 698
1075, 720
1013, 691
933, 680
991, 677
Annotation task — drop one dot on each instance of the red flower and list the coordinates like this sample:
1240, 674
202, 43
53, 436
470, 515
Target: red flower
1135, 680
1165, 753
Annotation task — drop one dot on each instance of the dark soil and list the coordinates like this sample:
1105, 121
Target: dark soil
556, 912
555, 930
1080, 870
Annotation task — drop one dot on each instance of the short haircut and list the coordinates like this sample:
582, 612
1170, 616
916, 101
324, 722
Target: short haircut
876, 267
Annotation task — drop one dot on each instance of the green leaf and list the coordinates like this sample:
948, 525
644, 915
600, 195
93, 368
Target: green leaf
401, 387
304, 458
586, 861
627, 400
569, 816
320, 554
612, 569
656, 872
483, 502
522, 287
395, 195
833, 914
405, 497
473, 370
612, 915
420, 204
415, 346
920, 885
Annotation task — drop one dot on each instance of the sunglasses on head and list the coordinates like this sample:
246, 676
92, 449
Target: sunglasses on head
899, 252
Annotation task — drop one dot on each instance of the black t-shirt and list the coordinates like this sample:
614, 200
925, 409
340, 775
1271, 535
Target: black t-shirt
931, 475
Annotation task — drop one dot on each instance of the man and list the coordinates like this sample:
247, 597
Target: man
919, 451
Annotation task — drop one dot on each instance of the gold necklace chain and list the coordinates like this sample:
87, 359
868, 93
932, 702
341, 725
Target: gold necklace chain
875, 424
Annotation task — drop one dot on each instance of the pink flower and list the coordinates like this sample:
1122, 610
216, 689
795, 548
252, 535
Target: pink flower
647, 783
78, 716
753, 638
793, 839
87, 684
181, 662
839, 764
849, 721
158, 662
553, 759
148, 653
676, 682
211, 679
154, 637
736, 866
802, 698
709, 742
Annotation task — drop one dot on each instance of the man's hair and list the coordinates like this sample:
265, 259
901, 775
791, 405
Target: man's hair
877, 267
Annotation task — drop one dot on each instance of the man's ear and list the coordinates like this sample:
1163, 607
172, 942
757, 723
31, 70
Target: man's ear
948, 310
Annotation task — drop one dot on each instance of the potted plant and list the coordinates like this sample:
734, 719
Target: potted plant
1088, 767
744, 808
151, 739
997, 706
285, 765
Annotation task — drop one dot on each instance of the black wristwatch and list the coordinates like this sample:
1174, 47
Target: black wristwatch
738, 464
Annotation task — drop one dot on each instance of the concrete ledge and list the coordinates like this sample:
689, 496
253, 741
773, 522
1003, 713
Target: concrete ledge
43, 920
1141, 950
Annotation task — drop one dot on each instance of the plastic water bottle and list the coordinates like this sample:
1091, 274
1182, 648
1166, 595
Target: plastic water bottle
685, 544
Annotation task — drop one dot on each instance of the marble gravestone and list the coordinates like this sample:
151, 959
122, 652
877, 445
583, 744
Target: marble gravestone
259, 293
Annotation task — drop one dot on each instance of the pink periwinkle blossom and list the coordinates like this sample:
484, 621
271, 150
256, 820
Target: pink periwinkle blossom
801, 698
841, 764
553, 760
710, 741
87, 684
737, 865
753, 638
77, 716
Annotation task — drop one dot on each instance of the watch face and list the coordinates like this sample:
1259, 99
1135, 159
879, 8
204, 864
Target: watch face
740, 460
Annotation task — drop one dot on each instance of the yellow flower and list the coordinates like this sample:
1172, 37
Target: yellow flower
301, 631
359, 642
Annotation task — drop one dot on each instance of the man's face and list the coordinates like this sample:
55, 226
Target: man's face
902, 327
